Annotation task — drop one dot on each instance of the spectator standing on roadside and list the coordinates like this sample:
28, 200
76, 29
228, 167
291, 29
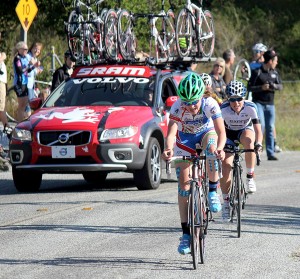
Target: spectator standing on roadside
263, 83
258, 51
218, 83
3, 89
229, 57
21, 68
32, 56
64, 72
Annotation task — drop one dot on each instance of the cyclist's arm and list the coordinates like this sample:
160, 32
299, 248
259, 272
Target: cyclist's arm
258, 132
220, 129
172, 130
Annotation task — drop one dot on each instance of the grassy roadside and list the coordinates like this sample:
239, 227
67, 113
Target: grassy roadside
287, 103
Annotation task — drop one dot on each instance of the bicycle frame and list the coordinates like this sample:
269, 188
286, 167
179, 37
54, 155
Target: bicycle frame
238, 194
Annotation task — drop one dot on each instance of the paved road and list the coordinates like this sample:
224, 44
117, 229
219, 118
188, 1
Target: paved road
69, 231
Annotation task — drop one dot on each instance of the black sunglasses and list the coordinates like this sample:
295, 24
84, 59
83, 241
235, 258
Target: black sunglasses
239, 99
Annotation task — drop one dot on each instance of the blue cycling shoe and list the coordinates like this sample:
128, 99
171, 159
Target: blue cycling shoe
214, 202
184, 245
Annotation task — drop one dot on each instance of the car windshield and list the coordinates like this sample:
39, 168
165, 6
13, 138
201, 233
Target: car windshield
113, 91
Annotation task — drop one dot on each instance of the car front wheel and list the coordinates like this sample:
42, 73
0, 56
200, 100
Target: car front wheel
149, 176
26, 181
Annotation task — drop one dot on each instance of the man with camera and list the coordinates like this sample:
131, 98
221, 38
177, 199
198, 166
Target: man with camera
263, 83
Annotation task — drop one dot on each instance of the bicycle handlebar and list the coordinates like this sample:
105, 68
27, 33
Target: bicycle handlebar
192, 158
240, 151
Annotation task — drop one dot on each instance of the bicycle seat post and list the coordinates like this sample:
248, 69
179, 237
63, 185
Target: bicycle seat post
198, 149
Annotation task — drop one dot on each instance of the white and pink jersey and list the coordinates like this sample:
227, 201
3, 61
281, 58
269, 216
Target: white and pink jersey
202, 121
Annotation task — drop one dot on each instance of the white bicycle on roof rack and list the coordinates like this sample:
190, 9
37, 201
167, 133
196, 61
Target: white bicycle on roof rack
195, 33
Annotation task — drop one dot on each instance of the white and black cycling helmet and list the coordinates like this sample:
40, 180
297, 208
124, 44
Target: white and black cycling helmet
206, 79
259, 47
235, 89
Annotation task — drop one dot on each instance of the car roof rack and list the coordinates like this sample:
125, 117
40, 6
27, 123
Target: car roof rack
167, 63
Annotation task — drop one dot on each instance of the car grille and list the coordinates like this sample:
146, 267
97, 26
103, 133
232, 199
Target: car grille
57, 138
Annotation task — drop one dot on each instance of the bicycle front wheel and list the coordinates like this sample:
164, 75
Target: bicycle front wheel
169, 34
236, 199
110, 34
74, 29
126, 37
184, 33
196, 225
207, 34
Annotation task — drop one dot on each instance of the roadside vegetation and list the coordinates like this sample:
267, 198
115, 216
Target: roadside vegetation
238, 24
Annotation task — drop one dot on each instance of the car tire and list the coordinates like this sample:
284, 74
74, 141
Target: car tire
27, 181
96, 178
149, 177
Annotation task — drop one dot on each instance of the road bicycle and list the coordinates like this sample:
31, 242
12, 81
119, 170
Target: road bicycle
162, 34
199, 214
195, 33
86, 32
238, 193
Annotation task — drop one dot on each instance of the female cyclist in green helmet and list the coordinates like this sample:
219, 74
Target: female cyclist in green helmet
194, 119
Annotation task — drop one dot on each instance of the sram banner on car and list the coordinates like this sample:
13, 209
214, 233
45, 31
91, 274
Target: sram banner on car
134, 71
111, 80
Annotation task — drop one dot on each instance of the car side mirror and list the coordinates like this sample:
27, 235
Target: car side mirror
170, 101
35, 103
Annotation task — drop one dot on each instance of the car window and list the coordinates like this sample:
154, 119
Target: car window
114, 91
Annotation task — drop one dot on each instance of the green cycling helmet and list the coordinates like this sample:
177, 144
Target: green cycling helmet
191, 88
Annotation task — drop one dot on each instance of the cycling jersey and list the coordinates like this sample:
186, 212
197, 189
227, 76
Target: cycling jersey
193, 128
192, 124
246, 117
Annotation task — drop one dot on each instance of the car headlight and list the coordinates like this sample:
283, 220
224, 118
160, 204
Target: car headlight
21, 134
118, 133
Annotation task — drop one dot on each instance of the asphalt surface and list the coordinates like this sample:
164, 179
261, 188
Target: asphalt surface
69, 230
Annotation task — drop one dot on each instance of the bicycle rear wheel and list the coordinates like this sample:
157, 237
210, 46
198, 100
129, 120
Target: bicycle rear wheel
236, 199
184, 33
207, 35
196, 225
126, 38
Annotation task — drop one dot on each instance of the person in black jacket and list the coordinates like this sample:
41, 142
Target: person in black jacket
263, 83
63, 72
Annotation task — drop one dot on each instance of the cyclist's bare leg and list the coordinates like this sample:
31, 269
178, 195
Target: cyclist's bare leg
225, 181
247, 140
209, 144
183, 190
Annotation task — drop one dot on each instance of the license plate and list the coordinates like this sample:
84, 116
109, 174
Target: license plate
62, 152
